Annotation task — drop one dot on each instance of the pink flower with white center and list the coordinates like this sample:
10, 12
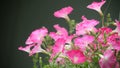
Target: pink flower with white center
97, 6
114, 40
86, 26
108, 60
82, 42
63, 13
117, 27
101, 37
37, 36
76, 56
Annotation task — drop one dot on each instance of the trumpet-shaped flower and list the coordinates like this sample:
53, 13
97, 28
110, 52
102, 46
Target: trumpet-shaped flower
108, 60
96, 6
37, 36
34, 41
76, 56
63, 13
117, 27
86, 26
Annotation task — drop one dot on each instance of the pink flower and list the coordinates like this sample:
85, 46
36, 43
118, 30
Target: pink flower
97, 6
57, 48
117, 27
61, 33
76, 56
101, 37
37, 36
31, 49
114, 40
26, 49
34, 41
82, 42
63, 13
108, 60
86, 26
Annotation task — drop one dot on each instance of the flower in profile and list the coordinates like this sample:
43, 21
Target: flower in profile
76, 56
34, 41
37, 36
97, 6
63, 13
82, 42
117, 27
108, 60
86, 26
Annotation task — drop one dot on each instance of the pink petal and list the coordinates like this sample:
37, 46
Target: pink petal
76, 56
108, 60
96, 6
37, 35
62, 13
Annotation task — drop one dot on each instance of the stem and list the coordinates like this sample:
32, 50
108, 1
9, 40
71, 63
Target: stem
35, 60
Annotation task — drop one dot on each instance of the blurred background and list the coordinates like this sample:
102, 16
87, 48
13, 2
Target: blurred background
20, 17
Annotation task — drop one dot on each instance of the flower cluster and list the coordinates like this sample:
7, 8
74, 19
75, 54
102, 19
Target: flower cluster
84, 45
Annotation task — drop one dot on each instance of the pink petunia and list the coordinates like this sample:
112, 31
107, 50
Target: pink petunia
114, 40
76, 56
61, 33
103, 31
63, 13
86, 26
97, 6
57, 48
82, 42
34, 41
108, 60
37, 36
117, 27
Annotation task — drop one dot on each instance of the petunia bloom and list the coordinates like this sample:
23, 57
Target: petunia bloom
104, 31
61, 33
108, 60
97, 6
57, 48
86, 26
82, 42
37, 36
34, 41
63, 13
117, 27
76, 56
114, 40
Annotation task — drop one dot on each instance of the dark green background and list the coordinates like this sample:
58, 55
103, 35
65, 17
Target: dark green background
20, 17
